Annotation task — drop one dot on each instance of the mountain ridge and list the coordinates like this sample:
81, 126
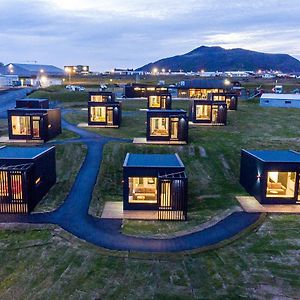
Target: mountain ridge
219, 59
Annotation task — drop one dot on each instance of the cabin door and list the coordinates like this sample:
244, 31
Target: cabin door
36, 127
163, 103
172, 201
174, 128
214, 114
110, 116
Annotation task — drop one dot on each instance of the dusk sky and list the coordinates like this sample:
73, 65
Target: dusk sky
130, 33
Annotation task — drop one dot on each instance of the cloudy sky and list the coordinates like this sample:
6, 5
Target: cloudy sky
129, 33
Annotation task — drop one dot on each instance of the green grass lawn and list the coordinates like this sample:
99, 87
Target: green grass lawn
214, 179
69, 159
59, 93
51, 264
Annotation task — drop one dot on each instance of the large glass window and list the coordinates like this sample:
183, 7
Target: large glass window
203, 112
154, 101
281, 184
142, 190
98, 98
21, 125
159, 126
201, 93
219, 98
98, 114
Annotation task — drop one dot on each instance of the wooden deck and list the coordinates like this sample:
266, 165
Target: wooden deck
144, 141
205, 124
114, 210
251, 205
86, 125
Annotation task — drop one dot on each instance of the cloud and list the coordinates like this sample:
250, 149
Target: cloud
116, 33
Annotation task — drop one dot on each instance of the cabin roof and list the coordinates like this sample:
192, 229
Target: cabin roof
204, 84
166, 111
288, 156
153, 160
22, 152
33, 99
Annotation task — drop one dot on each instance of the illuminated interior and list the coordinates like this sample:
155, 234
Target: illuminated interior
142, 190
159, 126
202, 93
3, 184
98, 114
98, 98
174, 128
214, 115
203, 112
109, 115
165, 194
15, 182
154, 101
219, 98
281, 184
21, 125
36, 126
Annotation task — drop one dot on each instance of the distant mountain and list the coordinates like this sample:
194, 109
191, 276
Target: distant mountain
220, 59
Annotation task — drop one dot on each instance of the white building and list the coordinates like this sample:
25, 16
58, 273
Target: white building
35, 75
9, 80
280, 100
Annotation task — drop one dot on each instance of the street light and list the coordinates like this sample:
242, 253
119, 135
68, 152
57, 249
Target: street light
69, 71
154, 71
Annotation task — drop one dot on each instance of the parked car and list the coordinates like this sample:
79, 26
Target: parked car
74, 88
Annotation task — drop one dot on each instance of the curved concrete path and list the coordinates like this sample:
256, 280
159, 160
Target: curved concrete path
73, 215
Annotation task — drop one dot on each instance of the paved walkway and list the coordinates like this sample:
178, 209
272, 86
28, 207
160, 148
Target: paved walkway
73, 215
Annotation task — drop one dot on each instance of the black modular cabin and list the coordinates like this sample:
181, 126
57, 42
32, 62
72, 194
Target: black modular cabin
271, 176
208, 112
167, 126
160, 101
104, 110
155, 182
137, 90
26, 175
201, 88
33, 123
231, 99
32, 103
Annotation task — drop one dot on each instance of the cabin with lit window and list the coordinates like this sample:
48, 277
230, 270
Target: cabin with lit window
160, 101
35, 124
271, 176
167, 126
32, 103
26, 175
208, 112
138, 90
104, 110
231, 99
155, 182
201, 88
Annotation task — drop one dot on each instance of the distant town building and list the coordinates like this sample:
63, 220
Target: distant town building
77, 70
35, 74
9, 80
126, 72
